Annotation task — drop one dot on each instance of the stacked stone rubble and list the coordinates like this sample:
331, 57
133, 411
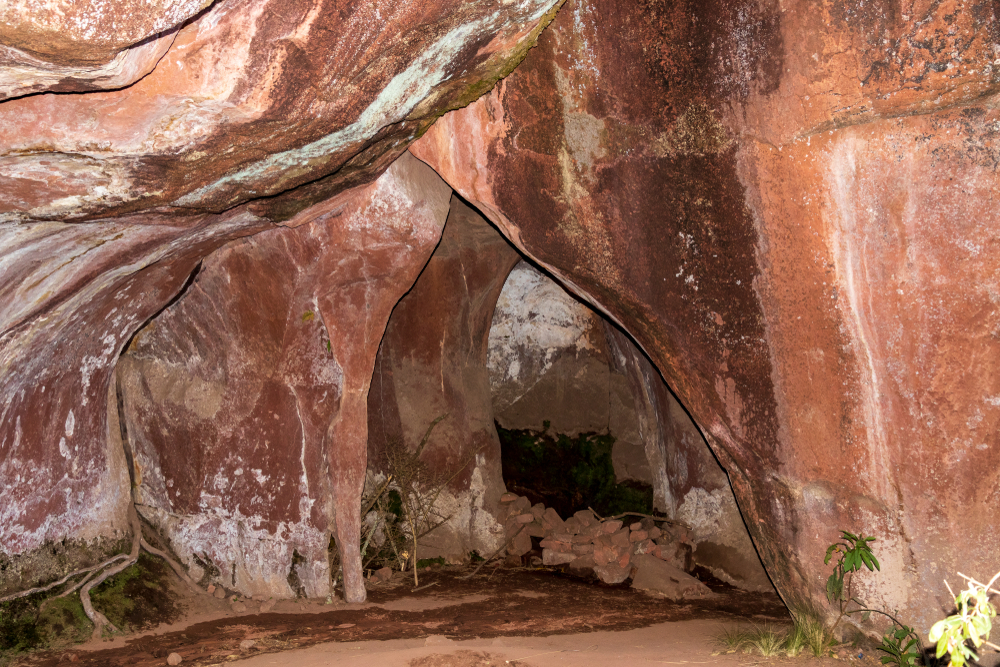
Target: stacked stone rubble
606, 547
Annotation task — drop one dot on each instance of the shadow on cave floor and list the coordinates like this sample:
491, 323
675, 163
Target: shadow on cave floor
499, 601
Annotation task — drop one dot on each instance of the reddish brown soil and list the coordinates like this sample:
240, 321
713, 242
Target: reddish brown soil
494, 603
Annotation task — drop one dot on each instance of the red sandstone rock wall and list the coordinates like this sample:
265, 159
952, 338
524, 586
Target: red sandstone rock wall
245, 402
71, 297
787, 205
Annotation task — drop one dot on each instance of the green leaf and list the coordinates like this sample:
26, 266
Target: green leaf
875, 560
829, 553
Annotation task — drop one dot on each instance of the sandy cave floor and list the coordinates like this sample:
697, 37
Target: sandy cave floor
501, 616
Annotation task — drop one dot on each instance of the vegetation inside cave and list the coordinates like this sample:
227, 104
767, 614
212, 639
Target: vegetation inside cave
569, 473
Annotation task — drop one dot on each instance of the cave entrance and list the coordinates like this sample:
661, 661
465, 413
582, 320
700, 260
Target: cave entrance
589, 428
539, 404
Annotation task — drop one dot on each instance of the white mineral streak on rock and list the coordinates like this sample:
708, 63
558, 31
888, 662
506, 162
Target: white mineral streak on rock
96, 23
716, 522
396, 100
470, 528
252, 556
535, 320
847, 239
36, 318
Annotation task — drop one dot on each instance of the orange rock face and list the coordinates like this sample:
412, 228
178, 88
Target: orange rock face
788, 206
251, 99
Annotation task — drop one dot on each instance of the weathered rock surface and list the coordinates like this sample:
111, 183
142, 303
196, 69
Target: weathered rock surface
660, 578
250, 100
548, 361
71, 297
786, 207
432, 363
245, 402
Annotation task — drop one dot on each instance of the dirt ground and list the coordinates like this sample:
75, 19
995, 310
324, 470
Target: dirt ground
501, 616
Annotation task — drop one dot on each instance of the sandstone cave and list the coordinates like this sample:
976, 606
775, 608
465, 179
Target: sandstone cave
283, 282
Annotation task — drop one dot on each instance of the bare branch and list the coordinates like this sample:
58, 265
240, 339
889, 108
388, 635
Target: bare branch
658, 519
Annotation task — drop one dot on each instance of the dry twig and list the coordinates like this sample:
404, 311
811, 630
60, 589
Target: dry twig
495, 553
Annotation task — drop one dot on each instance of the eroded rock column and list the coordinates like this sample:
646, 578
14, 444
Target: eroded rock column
432, 363
245, 401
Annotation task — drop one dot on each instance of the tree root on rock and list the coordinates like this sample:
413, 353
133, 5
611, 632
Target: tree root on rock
90, 581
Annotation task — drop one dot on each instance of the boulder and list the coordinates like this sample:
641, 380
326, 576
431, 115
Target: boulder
520, 545
550, 557
612, 573
661, 579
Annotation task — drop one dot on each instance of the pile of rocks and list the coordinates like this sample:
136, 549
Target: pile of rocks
610, 549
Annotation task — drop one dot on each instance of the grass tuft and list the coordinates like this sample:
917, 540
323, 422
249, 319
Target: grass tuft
771, 640
767, 640
732, 639
814, 635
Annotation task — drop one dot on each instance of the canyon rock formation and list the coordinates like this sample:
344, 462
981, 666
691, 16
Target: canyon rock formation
787, 205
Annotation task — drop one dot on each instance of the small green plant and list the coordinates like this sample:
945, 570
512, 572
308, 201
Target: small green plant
899, 645
971, 623
853, 553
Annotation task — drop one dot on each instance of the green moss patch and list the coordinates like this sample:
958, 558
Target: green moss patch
136, 598
569, 473
139, 596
